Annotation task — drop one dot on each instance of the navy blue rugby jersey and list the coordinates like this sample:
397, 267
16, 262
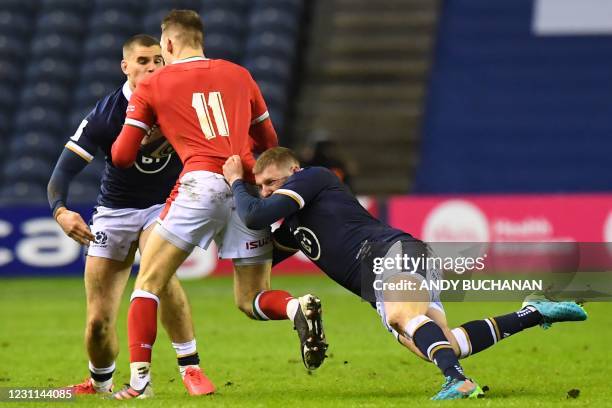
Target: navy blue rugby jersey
148, 182
331, 226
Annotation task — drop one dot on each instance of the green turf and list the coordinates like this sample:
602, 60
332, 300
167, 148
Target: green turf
258, 363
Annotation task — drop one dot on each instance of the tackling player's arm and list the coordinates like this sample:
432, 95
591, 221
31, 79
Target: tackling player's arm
75, 156
262, 131
138, 122
292, 196
258, 213
298, 189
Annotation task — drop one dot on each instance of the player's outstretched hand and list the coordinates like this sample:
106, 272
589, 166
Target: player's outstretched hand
232, 169
74, 226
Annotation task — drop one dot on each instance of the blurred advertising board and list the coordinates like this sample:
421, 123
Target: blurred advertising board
481, 218
517, 232
32, 244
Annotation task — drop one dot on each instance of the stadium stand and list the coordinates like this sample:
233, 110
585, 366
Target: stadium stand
366, 73
77, 46
511, 111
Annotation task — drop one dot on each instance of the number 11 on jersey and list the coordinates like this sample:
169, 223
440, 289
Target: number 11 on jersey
201, 105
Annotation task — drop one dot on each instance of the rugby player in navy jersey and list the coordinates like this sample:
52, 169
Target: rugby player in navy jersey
324, 221
129, 202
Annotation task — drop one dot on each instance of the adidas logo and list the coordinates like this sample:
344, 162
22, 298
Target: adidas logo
143, 372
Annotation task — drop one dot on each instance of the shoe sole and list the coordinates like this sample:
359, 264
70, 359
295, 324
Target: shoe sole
147, 393
314, 350
475, 393
195, 392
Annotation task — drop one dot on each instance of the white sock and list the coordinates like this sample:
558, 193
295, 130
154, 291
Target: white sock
292, 308
140, 374
185, 349
102, 386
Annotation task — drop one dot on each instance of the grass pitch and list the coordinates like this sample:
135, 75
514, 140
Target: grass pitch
258, 363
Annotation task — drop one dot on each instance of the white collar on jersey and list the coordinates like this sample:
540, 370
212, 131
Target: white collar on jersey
127, 92
190, 59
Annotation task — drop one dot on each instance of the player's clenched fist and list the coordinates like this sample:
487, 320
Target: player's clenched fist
232, 169
74, 226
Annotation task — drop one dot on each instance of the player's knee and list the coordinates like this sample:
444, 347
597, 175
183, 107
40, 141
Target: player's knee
99, 327
398, 318
397, 321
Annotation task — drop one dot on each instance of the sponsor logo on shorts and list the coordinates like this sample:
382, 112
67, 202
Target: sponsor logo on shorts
257, 244
101, 238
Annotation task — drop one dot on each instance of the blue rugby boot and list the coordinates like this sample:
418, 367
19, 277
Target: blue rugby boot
553, 312
458, 389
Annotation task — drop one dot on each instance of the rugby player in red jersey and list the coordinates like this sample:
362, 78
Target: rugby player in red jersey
129, 202
208, 110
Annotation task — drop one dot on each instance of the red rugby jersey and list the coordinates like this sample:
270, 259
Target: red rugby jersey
208, 110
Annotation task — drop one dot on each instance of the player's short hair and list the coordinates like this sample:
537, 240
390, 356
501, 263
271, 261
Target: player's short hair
189, 23
279, 156
144, 40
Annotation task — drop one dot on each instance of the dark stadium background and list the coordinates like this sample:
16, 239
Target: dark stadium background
426, 108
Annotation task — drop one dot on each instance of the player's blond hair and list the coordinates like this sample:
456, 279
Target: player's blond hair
187, 25
279, 156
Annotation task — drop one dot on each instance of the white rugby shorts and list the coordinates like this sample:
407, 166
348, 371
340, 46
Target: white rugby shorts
201, 209
398, 250
116, 229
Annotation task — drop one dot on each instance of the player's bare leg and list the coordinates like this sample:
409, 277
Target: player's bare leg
160, 260
175, 315
175, 312
249, 280
105, 281
254, 298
